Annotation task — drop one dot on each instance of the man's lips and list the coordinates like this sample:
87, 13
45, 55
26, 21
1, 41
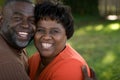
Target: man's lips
23, 35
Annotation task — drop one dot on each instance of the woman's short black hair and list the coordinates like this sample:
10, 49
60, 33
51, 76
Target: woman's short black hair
55, 10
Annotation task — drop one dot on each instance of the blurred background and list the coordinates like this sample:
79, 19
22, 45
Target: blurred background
96, 38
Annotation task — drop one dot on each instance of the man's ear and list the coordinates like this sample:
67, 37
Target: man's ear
1, 19
1, 13
1, 16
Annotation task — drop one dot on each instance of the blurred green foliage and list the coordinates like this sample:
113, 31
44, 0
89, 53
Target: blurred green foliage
1, 2
83, 7
98, 41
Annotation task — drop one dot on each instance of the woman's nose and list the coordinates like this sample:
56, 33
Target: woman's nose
47, 36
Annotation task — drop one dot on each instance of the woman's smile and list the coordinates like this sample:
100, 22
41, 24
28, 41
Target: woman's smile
46, 45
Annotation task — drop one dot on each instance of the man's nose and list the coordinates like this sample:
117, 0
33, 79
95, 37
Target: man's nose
25, 24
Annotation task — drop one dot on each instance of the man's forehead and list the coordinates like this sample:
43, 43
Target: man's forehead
22, 4
18, 3
8, 1
19, 7
25, 8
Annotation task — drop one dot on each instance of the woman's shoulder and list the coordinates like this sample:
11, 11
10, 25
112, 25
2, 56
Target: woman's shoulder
71, 54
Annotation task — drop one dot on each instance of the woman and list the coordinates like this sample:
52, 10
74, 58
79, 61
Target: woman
55, 59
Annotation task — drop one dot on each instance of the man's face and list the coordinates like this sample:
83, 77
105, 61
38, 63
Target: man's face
18, 24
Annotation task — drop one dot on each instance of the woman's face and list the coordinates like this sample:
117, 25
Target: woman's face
50, 38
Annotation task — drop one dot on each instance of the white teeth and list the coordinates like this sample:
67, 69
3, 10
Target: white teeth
23, 34
46, 45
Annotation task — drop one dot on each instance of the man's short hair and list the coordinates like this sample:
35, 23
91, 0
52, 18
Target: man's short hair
8, 1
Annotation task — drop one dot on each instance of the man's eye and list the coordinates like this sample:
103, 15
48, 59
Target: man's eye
32, 21
16, 18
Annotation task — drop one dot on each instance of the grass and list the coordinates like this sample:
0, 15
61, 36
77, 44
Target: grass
98, 41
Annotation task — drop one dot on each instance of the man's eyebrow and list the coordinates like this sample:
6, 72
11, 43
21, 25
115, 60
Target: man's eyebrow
17, 13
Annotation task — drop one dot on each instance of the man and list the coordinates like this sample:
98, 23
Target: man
17, 29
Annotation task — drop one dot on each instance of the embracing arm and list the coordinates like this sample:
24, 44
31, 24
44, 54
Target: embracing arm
85, 74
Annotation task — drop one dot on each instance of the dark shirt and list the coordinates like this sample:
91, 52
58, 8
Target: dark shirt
13, 63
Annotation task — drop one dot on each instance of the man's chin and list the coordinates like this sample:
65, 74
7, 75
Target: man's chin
22, 44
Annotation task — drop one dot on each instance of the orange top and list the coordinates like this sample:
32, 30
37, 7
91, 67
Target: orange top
66, 66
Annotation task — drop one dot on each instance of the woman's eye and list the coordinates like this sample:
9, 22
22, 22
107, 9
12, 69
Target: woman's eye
40, 30
54, 31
